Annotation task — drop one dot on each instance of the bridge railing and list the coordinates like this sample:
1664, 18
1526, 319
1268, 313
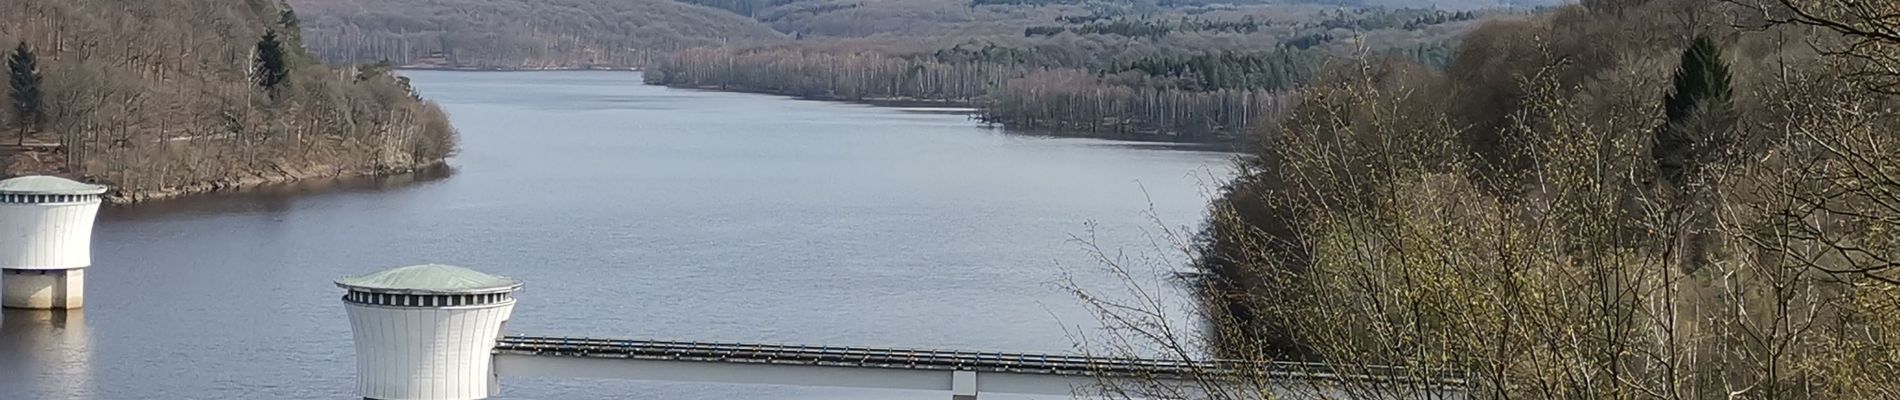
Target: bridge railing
986, 362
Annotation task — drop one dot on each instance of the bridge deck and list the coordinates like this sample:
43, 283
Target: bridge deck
913, 359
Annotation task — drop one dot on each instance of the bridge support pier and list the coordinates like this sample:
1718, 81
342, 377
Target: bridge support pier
963, 385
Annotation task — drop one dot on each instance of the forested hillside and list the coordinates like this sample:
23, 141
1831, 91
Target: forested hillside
162, 97
516, 34
1101, 69
1627, 199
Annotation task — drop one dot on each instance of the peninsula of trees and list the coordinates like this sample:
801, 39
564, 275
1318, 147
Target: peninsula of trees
165, 97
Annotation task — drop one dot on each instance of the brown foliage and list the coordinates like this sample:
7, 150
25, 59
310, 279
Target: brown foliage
853, 76
1383, 237
1075, 101
152, 95
1073, 82
1866, 40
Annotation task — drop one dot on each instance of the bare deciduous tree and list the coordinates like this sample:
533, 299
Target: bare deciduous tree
156, 97
1560, 275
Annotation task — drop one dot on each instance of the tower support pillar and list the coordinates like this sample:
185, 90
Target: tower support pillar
43, 289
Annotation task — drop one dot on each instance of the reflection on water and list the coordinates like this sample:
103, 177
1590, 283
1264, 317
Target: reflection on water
937, 110
1224, 148
47, 353
275, 198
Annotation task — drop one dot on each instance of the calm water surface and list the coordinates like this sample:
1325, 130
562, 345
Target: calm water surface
630, 211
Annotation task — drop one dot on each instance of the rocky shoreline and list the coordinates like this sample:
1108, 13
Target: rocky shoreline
255, 179
21, 163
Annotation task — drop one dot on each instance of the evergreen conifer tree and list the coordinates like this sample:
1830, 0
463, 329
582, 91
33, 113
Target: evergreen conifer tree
1699, 114
23, 76
1698, 131
271, 70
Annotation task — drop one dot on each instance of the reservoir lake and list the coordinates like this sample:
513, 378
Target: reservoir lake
632, 211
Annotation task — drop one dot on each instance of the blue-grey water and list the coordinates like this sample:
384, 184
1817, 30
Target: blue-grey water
630, 211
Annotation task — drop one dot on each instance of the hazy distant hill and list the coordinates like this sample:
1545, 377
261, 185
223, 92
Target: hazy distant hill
515, 33
772, 10
972, 18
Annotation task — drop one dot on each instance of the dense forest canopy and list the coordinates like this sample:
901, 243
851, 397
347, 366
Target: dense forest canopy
184, 95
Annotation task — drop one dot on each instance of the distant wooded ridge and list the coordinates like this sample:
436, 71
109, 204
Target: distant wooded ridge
1171, 70
574, 34
1175, 74
516, 34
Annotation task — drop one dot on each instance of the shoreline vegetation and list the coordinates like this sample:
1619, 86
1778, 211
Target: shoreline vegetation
1021, 98
166, 98
975, 110
262, 179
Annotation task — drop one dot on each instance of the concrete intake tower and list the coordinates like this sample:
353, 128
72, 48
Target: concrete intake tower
46, 241
427, 332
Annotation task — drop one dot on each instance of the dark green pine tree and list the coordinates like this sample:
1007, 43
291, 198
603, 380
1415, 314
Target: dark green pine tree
1699, 114
23, 75
270, 69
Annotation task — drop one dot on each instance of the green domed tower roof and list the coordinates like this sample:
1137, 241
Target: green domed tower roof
41, 184
430, 279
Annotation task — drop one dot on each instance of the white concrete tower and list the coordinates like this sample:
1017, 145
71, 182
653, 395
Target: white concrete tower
427, 332
46, 241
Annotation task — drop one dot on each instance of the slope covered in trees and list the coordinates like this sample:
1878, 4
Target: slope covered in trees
1102, 69
516, 34
168, 96
1656, 199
